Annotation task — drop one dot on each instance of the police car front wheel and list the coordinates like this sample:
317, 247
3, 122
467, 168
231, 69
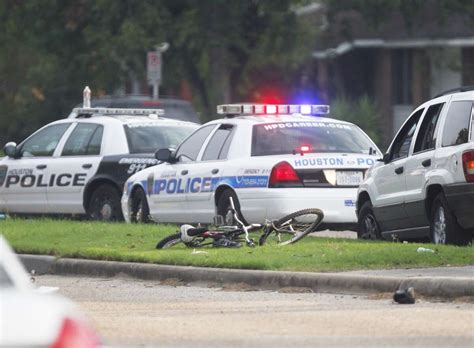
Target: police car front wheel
140, 211
105, 204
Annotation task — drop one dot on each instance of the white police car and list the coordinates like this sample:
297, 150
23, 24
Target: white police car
78, 165
425, 185
272, 159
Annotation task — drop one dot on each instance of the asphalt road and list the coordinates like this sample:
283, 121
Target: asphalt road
136, 313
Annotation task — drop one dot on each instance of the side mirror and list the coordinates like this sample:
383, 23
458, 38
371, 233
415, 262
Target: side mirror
10, 149
165, 155
385, 159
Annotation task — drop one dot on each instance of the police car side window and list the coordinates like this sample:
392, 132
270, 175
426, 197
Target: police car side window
43, 143
189, 148
218, 146
84, 140
402, 142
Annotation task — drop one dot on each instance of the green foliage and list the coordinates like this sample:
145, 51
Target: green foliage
51, 49
362, 112
136, 243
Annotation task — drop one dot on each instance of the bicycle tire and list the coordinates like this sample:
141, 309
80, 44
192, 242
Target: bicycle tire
289, 226
169, 241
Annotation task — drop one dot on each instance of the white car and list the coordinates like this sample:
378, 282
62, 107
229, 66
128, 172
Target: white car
425, 185
29, 318
78, 165
271, 159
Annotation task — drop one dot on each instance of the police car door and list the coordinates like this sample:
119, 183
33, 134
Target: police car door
26, 181
206, 172
172, 181
73, 167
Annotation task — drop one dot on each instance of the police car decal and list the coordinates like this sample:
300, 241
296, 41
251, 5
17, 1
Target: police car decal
333, 162
26, 177
3, 174
200, 184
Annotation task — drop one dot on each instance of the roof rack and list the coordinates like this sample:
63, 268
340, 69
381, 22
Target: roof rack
458, 89
89, 112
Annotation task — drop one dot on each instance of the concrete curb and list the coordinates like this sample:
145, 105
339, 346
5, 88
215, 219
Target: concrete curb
442, 287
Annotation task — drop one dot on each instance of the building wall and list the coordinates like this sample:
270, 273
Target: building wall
446, 69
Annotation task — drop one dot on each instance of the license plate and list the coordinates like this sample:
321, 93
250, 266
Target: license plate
349, 178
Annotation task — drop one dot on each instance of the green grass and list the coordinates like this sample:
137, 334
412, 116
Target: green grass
101, 241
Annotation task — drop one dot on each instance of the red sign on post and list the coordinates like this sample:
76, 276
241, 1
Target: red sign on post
153, 66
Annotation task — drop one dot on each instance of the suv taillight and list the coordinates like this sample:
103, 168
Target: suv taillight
76, 334
468, 165
283, 175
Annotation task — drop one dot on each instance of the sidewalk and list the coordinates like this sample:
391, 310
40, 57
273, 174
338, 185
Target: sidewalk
446, 282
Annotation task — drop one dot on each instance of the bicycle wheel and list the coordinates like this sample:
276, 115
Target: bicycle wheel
293, 227
169, 241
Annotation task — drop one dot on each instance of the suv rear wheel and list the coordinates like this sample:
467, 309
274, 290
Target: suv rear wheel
444, 228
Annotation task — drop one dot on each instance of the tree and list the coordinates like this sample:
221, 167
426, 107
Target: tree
222, 48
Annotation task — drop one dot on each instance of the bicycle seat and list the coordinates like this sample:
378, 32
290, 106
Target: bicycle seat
188, 232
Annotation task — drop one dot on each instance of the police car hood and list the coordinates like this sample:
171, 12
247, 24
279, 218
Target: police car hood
328, 160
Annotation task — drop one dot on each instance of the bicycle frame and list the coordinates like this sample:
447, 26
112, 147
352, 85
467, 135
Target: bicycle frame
242, 225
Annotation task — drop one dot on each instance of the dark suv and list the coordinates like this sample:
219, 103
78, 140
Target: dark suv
174, 108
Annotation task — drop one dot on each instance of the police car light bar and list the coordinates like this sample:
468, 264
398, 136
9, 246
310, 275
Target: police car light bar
263, 109
116, 111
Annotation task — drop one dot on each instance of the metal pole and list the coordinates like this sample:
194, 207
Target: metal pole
156, 86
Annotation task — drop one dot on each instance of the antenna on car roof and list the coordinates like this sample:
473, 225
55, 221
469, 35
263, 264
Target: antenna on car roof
458, 89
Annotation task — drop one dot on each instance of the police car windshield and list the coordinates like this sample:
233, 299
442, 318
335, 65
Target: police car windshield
149, 137
294, 137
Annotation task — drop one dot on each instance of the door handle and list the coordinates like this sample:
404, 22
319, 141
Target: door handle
215, 171
426, 163
399, 170
41, 166
87, 166
184, 172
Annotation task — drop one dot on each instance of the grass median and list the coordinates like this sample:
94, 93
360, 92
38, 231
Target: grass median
136, 243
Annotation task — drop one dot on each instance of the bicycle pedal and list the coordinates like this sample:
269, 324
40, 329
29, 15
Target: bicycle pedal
225, 243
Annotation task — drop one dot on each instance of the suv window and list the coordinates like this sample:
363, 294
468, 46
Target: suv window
85, 139
426, 136
190, 148
218, 146
456, 130
402, 142
44, 142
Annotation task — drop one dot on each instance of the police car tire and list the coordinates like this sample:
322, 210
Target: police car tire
223, 205
454, 233
169, 241
105, 193
366, 214
139, 201
318, 218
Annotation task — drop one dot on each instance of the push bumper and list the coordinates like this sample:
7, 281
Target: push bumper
461, 201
